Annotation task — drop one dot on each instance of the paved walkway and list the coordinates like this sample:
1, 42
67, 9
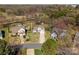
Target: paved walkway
30, 51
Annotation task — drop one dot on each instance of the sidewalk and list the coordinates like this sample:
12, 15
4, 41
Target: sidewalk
30, 51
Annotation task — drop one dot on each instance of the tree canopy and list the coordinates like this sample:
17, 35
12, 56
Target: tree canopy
49, 47
5, 49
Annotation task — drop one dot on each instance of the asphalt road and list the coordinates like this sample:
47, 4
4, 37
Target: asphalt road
29, 46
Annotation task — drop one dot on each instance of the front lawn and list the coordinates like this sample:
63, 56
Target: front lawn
49, 47
33, 37
38, 52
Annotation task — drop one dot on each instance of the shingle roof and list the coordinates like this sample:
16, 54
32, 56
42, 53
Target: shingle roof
15, 29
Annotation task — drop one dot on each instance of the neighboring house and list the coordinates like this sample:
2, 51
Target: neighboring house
54, 35
60, 27
63, 34
77, 36
1, 35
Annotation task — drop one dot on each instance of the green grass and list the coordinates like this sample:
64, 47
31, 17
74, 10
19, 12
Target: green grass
34, 37
49, 47
38, 52
47, 35
52, 42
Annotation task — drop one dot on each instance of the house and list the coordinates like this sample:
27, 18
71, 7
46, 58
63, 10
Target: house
18, 30
21, 32
54, 35
38, 29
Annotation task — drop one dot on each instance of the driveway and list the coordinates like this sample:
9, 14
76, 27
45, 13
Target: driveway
42, 36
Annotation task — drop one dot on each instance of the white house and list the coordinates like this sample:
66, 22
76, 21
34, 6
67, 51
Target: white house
21, 32
39, 29
18, 30
54, 35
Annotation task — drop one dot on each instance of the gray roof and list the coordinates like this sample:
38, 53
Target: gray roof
15, 29
77, 34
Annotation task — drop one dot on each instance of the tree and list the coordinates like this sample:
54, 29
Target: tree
2, 10
5, 49
49, 47
77, 20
